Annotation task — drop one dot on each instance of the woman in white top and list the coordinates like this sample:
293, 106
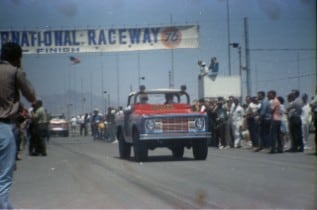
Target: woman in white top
306, 118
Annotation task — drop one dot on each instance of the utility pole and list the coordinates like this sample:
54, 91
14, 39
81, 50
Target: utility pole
298, 71
139, 70
82, 96
247, 56
170, 79
102, 81
118, 80
228, 30
90, 92
240, 71
171, 83
108, 99
105, 98
238, 46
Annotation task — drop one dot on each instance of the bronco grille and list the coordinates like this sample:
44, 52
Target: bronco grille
171, 125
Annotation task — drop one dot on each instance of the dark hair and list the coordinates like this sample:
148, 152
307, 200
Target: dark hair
261, 93
281, 99
296, 92
39, 102
254, 98
273, 92
11, 52
290, 97
305, 98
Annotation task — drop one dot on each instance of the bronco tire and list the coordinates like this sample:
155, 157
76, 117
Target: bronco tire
124, 148
140, 149
200, 149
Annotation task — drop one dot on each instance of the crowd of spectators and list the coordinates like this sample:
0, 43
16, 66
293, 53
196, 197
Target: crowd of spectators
263, 122
100, 125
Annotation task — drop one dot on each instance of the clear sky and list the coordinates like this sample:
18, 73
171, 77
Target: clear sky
282, 41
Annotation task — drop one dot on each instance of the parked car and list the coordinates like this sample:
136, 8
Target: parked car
161, 118
58, 125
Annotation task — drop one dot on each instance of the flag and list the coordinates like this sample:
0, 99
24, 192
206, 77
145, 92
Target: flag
74, 60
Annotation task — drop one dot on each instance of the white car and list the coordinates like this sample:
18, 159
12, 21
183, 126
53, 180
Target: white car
58, 125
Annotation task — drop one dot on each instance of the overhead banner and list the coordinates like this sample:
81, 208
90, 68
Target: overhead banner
103, 40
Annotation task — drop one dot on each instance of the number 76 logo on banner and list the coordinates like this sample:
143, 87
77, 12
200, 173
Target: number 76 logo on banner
171, 37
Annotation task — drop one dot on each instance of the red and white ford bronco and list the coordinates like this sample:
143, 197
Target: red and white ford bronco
161, 118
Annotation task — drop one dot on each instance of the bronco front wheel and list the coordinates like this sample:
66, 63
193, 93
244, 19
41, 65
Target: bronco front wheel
140, 149
200, 149
124, 148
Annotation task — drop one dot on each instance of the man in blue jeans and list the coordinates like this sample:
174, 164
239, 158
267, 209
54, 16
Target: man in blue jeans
12, 81
265, 121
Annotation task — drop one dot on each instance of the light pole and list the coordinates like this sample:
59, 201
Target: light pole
68, 110
228, 36
105, 93
108, 99
237, 45
141, 78
83, 104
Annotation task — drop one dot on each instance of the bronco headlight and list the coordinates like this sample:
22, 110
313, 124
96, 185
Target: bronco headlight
200, 123
150, 125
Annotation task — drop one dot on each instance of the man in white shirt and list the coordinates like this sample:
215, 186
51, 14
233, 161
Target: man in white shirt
73, 122
237, 114
252, 116
306, 118
313, 105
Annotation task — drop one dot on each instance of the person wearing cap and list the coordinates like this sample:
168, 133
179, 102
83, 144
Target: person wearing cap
169, 98
203, 69
95, 119
143, 97
213, 67
39, 128
12, 81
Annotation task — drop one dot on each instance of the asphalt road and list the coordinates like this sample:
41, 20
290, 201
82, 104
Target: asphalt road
81, 173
